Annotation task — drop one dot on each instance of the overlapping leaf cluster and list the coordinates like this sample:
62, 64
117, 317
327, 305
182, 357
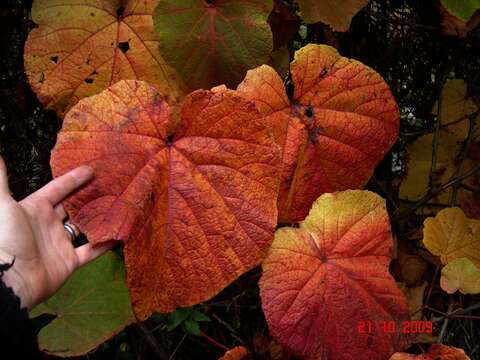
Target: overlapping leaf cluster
195, 184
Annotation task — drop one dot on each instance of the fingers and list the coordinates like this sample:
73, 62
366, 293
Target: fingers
3, 179
60, 212
72, 230
58, 189
87, 252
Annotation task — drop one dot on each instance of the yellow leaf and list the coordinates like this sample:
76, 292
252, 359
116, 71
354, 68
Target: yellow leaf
81, 47
416, 183
455, 106
461, 274
337, 14
451, 235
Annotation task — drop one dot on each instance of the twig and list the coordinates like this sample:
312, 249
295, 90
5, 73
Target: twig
213, 341
177, 347
445, 324
435, 191
431, 285
466, 150
442, 126
230, 328
157, 349
436, 135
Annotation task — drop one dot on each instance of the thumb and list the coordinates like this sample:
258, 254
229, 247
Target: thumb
3, 179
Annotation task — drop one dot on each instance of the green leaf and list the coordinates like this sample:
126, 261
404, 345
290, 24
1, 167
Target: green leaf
177, 317
91, 307
214, 42
462, 9
198, 316
192, 327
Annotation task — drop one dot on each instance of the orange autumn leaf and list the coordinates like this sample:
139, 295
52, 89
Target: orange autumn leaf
237, 353
195, 205
321, 281
81, 47
435, 352
338, 127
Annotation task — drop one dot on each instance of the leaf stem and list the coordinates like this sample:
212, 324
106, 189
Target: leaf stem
213, 341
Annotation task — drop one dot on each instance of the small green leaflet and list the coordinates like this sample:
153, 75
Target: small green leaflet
189, 318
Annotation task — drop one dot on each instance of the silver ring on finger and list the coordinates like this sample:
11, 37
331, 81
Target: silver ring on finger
70, 230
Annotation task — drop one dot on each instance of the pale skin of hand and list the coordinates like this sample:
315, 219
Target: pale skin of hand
32, 232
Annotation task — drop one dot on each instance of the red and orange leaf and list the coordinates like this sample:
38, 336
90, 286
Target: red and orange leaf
342, 121
322, 281
196, 206
81, 47
435, 352
237, 353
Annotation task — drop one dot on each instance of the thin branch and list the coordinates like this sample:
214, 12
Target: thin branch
213, 341
471, 130
436, 136
444, 325
152, 341
436, 191
177, 347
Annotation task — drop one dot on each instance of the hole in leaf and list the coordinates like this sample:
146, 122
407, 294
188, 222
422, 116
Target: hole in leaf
54, 59
170, 139
124, 46
309, 111
88, 80
120, 11
289, 87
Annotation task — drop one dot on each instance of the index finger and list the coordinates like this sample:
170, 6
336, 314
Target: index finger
59, 188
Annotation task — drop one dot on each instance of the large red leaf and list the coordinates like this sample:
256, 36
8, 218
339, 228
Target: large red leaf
342, 121
80, 47
193, 198
324, 282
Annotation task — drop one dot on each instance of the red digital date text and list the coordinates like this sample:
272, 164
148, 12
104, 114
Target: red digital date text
390, 327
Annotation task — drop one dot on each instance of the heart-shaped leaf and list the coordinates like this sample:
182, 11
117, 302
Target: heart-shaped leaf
451, 235
341, 122
193, 196
81, 47
212, 42
322, 281
326, 290
461, 274
90, 308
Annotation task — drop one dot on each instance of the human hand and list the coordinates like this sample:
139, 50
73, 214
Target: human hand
32, 232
